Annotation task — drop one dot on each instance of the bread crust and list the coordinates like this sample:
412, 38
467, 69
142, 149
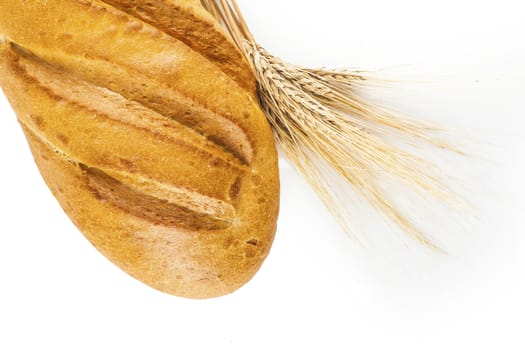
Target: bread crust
156, 148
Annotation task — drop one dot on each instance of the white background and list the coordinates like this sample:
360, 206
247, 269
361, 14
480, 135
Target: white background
464, 66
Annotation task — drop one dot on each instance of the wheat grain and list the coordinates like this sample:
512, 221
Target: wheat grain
324, 126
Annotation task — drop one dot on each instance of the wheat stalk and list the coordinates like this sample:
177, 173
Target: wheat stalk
325, 127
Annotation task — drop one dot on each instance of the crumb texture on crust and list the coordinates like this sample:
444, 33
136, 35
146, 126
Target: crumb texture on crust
143, 121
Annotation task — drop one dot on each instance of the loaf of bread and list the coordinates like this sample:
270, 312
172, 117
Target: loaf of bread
143, 120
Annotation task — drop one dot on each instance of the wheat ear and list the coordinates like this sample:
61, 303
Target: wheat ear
325, 127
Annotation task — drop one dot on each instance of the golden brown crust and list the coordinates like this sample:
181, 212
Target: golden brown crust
194, 26
157, 151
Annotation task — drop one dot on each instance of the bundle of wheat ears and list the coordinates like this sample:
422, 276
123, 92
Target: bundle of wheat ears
329, 131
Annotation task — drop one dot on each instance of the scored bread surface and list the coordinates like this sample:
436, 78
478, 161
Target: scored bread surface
143, 120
